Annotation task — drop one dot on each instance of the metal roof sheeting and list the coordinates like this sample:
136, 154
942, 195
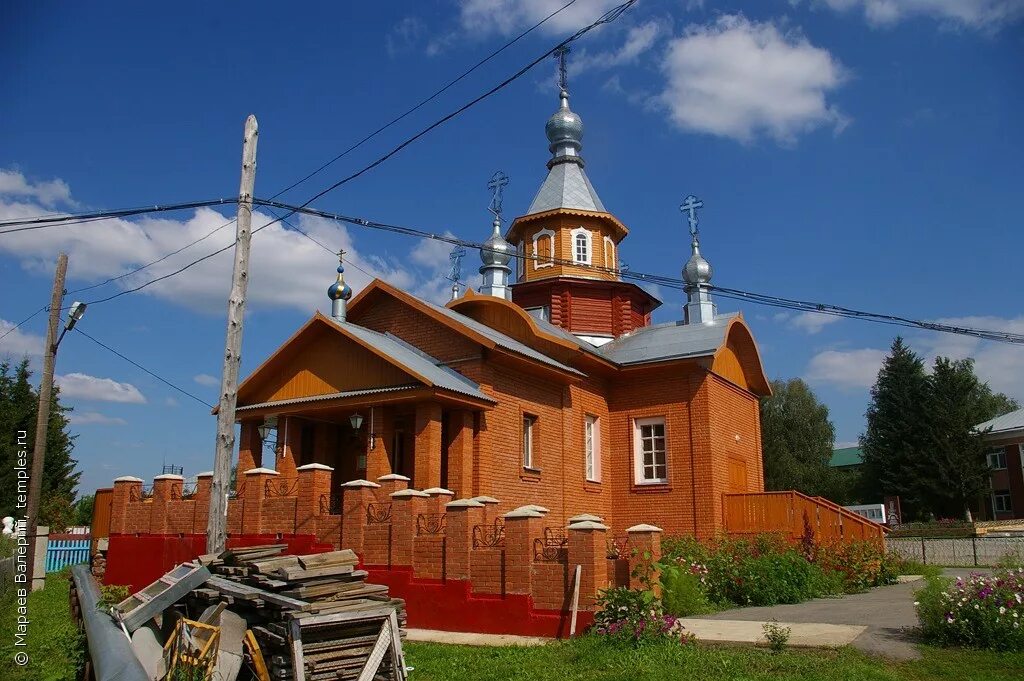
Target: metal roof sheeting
566, 186
328, 396
674, 340
1007, 422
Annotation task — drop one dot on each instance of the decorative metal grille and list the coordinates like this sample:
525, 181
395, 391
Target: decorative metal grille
140, 493
378, 513
430, 523
553, 547
237, 493
489, 536
280, 488
330, 504
618, 547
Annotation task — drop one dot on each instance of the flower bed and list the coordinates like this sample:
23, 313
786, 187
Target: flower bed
977, 612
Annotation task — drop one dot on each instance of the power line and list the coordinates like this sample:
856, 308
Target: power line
139, 366
675, 283
24, 321
27, 224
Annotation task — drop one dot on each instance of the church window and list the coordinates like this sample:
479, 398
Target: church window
592, 447
650, 465
580, 246
609, 254
543, 249
528, 432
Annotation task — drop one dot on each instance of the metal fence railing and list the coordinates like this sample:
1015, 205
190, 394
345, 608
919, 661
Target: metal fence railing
957, 552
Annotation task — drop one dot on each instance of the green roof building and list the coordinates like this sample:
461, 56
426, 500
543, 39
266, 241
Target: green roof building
846, 458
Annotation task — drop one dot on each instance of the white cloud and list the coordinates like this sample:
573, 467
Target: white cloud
95, 418
86, 387
1001, 365
738, 78
976, 14
286, 268
49, 194
18, 343
811, 322
404, 36
482, 18
639, 39
170, 402
846, 368
206, 379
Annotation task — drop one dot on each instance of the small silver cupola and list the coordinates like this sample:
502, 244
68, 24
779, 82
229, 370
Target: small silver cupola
496, 253
564, 129
339, 292
699, 309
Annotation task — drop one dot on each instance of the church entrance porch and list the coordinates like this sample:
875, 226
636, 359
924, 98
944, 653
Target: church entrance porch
428, 441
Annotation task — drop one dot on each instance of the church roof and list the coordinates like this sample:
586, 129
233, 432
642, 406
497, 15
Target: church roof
566, 186
674, 340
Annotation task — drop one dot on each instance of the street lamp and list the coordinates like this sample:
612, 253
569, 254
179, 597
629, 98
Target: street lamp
356, 420
76, 312
269, 424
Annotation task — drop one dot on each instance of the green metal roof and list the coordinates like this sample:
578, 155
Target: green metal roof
847, 456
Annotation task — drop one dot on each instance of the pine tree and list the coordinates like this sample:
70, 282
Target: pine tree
19, 404
895, 438
797, 439
954, 472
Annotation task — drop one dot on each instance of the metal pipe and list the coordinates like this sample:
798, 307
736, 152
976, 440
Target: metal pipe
111, 653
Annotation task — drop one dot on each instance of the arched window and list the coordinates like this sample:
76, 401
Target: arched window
609, 254
543, 249
581, 247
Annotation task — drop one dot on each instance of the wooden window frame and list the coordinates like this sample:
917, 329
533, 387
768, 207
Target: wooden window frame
528, 441
609, 250
550, 258
591, 448
575, 235
639, 466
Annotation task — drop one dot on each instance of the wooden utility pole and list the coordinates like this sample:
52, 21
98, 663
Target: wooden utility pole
35, 483
216, 533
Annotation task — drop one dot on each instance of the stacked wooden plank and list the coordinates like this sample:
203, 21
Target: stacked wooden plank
277, 593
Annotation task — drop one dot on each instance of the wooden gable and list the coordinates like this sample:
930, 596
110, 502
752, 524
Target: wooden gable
319, 360
739, 362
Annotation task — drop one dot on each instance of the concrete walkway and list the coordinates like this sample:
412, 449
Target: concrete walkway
880, 620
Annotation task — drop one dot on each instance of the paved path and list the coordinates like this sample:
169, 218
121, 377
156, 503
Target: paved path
885, 616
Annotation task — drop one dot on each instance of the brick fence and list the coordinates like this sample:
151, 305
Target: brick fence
459, 563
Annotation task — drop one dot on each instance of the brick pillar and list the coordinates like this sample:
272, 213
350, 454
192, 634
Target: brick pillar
460, 453
377, 463
250, 449
254, 494
390, 483
588, 547
427, 448
490, 508
314, 492
125, 488
461, 516
406, 505
645, 550
202, 500
439, 496
165, 488
355, 497
521, 528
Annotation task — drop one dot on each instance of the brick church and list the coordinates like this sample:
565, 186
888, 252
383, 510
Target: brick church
548, 385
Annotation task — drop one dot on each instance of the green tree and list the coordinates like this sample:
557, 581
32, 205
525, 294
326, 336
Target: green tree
953, 472
19, 404
895, 438
83, 509
796, 440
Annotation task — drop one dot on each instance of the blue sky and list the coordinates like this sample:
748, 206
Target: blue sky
865, 153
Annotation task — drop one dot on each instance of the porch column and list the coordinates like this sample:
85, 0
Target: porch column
377, 463
250, 450
427, 451
460, 453
289, 435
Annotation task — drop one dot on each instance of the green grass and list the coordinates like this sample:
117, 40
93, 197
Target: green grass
55, 647
591, 659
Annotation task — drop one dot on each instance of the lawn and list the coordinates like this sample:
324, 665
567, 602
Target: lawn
55, 647
591, 659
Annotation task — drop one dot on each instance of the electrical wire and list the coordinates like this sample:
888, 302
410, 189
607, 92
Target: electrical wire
26, 320
27, 224
139, 366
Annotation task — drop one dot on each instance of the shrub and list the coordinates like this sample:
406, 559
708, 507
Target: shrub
636, 617
111, 595
776, 635
978, 612
862, 564
684, 589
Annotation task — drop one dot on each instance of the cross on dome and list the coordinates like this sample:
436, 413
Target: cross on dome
499, 180
690, 205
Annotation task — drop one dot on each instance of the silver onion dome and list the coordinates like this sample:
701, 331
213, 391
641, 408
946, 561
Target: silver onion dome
697, 269
339, 290
564, 128
496, 250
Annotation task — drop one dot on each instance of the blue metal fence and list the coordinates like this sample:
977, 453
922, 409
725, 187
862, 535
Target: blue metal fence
63, 552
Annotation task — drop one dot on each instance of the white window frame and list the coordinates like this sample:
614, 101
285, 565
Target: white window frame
550, 261
639, 467
609, 250
994, 457
521, 260
584, 232
592, 448
1001, 495
529, 426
